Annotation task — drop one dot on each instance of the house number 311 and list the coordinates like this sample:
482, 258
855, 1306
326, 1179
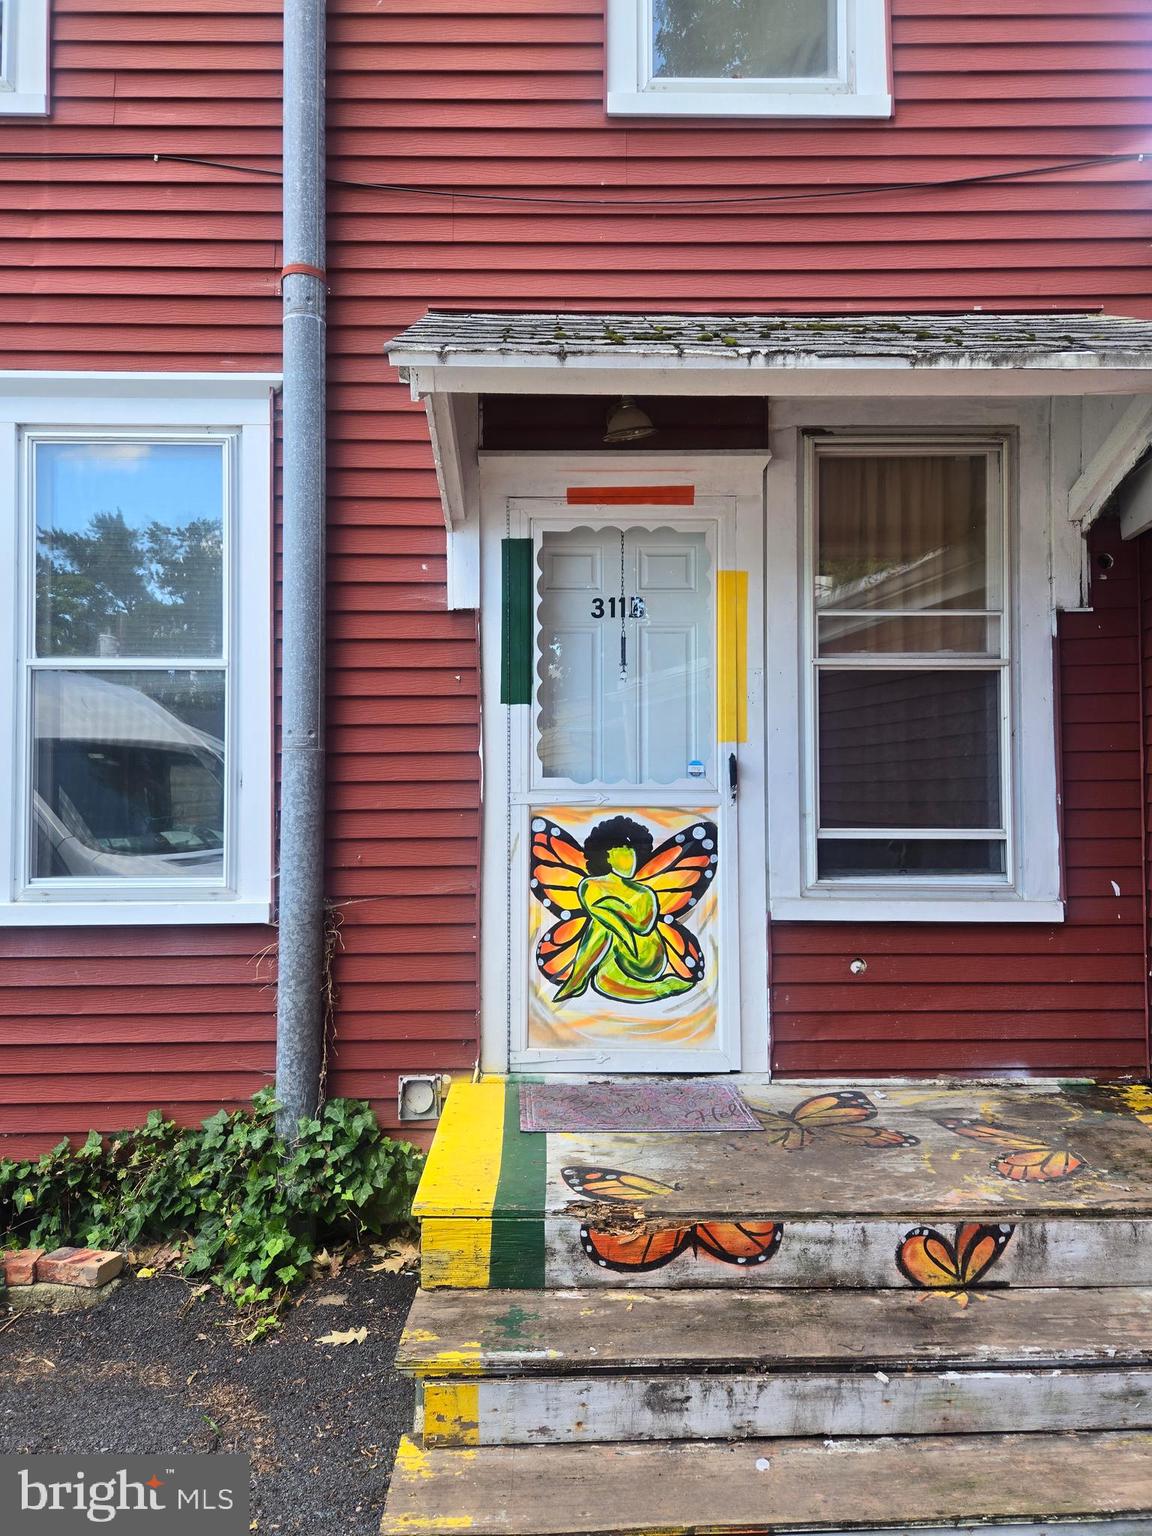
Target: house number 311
618, 608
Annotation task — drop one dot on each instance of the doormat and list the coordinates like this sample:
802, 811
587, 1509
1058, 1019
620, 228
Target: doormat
634, 1107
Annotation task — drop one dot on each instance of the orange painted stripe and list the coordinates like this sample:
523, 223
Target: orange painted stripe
631, 495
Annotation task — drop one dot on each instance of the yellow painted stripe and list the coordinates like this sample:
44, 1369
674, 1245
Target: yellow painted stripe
452, 1413
1138, 1098
455, 1254
463, 1167
732, 655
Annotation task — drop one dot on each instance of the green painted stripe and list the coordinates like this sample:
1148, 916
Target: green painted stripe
517, 1260
516, 621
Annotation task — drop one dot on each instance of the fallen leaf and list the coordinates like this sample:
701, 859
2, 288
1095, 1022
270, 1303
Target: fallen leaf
145, 1274
350, 1336
331, 1300
396, 1259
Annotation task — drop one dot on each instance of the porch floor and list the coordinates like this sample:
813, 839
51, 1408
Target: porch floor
968, 1150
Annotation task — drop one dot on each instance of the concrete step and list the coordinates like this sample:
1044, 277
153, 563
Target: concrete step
1061, 1178
511, 1368
1031, 1485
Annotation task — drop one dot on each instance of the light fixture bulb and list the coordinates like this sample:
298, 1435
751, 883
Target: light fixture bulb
627, 423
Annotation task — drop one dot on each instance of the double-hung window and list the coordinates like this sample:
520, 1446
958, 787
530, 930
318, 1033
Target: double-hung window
23, 57
912, 772
753, 58
138, 684
911, 701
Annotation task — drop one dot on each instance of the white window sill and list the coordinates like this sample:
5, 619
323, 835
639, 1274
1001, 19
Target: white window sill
23, 104
746, 104
131, 914
836, 907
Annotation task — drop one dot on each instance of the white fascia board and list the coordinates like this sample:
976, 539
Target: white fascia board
485, 374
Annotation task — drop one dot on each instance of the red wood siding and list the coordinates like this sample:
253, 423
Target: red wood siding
134, 264
128, 264
1066, 997
496, 97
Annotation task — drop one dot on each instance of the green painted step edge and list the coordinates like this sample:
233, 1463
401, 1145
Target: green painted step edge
518, 1246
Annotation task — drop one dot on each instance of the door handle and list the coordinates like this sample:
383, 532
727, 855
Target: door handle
733, 775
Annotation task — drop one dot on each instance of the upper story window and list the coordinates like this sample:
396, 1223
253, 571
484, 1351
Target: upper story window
748, 58
139, 702
24, 57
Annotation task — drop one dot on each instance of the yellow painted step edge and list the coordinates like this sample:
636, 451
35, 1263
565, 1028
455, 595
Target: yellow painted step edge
463, 1167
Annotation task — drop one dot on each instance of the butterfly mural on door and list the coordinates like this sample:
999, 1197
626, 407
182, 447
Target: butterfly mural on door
623, 926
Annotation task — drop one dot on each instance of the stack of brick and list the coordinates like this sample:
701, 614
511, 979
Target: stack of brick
66, 1277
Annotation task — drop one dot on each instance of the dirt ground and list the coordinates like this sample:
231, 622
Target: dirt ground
153, 1369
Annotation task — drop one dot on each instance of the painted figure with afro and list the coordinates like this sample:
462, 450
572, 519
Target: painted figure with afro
617, 899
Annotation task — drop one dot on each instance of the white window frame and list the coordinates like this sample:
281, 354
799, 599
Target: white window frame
233, 410
1031, 892
24, 58
860, 87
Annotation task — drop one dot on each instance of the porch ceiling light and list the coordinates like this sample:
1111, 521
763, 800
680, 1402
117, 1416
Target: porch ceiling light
627, 423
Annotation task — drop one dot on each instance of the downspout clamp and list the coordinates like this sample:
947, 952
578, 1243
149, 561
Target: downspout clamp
300, 988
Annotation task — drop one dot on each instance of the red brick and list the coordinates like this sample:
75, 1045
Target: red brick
20, 1265
79, 1266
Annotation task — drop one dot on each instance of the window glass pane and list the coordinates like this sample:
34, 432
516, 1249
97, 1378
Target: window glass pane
625, 656
935, 634
847, 858
128, 774
909, 749
735, 39
905, 532
129, 549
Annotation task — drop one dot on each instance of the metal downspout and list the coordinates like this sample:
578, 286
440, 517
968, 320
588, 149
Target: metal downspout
300, 990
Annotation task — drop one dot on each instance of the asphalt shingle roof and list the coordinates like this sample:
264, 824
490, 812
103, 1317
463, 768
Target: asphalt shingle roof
981, 339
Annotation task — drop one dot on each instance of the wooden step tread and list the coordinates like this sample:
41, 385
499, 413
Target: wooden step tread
968, 1150
773, 1486
475, 1333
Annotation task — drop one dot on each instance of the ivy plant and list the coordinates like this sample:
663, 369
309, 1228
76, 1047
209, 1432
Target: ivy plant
249, 1209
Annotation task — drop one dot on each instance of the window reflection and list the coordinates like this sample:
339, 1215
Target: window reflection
128, 774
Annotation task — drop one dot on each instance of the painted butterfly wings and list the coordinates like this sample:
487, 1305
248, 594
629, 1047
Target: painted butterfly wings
679, 873
613, 1184
1022, 1158
743, 1243
844, 1116
929, 1261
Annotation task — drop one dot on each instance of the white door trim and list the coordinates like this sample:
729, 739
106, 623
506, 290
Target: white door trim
504, 958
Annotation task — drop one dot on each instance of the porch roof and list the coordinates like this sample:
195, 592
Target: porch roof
1105, 352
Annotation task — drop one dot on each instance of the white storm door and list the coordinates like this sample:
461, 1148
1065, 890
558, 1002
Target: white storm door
623, 777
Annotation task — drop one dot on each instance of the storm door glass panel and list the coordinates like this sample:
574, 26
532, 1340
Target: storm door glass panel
626, 656
743, 39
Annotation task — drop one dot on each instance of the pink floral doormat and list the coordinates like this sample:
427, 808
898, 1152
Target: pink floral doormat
628, 1107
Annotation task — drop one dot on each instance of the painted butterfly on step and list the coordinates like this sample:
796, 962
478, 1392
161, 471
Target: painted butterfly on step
1022, 1158
931, 1262
844, 1116
638, 1250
